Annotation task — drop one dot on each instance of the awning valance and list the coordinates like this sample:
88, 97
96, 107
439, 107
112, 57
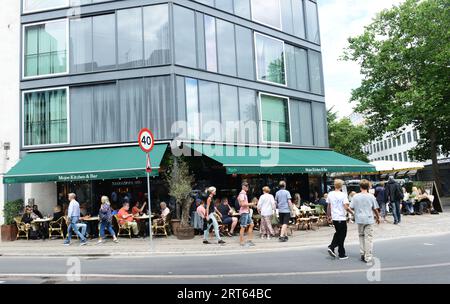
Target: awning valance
89, 164
271, 160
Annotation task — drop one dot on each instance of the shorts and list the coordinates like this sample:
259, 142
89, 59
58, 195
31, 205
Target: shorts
245, 220
227, 220
284, 218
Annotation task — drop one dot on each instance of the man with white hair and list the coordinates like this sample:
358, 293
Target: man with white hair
73, 215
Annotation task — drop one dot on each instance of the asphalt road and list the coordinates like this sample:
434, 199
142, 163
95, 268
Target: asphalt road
408, 260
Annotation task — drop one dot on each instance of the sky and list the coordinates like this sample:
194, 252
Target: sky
339, 20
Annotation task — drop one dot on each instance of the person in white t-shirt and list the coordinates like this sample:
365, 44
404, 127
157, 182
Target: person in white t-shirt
338, 206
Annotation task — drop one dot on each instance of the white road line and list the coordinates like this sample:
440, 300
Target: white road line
214, 276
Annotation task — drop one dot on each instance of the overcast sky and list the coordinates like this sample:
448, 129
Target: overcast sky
340, 19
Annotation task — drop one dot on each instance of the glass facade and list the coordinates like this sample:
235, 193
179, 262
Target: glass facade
42, 5
45, 48
45, 117
275, 118
270, 59
267, 12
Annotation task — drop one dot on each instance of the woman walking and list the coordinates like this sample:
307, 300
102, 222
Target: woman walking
105, 218
266, 207
210, 217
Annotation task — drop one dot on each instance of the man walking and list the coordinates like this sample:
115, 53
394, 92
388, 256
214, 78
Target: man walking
365, 207
73, 215
338, 206
394, 194
381, 196
284, 205
245, 220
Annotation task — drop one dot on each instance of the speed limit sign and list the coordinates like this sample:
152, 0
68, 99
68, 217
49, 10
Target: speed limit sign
146, 140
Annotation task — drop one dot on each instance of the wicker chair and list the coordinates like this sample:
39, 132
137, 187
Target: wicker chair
56, 226
161, 227
22, 228
122, 227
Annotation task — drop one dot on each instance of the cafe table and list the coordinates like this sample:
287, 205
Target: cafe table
43, 225
142, 219
93, 229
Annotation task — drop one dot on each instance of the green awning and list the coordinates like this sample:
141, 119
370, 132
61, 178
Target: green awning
80, 165
265, 160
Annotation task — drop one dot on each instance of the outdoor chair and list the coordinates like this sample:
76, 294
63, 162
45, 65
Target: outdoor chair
124, 229
22, 228
56, 226
161, 227
303, 221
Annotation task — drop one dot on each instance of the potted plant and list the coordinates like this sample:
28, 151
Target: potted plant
180, 185
11, 210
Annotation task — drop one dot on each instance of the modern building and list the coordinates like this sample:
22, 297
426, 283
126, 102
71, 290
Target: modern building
9, 97
238, 82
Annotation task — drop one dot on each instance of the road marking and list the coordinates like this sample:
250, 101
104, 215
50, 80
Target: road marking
428, 244
215, 276
1, 282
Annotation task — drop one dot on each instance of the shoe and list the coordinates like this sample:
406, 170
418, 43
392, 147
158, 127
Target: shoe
282, 239
221, 242
100, 241
286, 238
344, 257
206, 242
245, 245
250, 243
116, 240
363, 259
66, 243
268, 237
83, 243
262, 237
331, 252
229, 234
395, 223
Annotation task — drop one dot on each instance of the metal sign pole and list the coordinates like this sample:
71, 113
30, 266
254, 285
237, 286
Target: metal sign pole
149, 204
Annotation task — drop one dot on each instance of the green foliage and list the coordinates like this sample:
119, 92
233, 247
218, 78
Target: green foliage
12, 209
405, 58
180, 186
346, 138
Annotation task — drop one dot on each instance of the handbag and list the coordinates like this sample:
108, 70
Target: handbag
275, 220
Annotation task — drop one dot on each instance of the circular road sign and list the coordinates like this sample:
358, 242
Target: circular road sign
146, 140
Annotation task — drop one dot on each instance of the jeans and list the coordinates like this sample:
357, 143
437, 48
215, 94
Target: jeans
83, 227
409, 207
396, 211
216, 227
383, 209
73, 226
106, 225
366, 241
339, 237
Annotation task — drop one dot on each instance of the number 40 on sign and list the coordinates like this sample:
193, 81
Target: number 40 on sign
146, 142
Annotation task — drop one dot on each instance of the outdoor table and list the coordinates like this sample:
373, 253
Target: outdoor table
93, 228
143, 217
142, 223
42, 220
43, 225
92, 218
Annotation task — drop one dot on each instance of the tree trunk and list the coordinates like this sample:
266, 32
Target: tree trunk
186, 206
434, 159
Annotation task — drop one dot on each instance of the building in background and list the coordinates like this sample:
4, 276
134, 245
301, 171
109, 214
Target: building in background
93, 75
9, 96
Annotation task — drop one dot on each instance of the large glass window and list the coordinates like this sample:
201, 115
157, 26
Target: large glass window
45, 117
226, 47
225, 5
248, 114
156, 35
275, 118
312, 22
267, 12
45, 48
129, 35
209, 105
42, 5
270, 59
81, 45
185, 42
192, 110
210, 42
298, 18
315, 72
244, 53
242, 8
229, 109
104, 54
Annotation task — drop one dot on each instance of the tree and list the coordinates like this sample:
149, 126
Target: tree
405, 58
180, 186
346, 138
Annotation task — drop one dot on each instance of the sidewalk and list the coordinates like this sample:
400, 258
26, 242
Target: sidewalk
410, 226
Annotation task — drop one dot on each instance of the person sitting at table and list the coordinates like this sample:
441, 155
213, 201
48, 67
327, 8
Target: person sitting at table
225, 212
28, 217
127, 219
165, 211
57, 213
137, 210
196, 219
84, 215
37, 212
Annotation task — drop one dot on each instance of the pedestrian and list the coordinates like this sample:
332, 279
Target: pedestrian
380, 196
365, 207
211, 218
246, 220
284, 205
338, 206
73, 215
266, 207
105, 218
393, 195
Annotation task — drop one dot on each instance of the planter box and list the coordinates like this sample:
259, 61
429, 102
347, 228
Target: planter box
9, 233
175, 225
186, 233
